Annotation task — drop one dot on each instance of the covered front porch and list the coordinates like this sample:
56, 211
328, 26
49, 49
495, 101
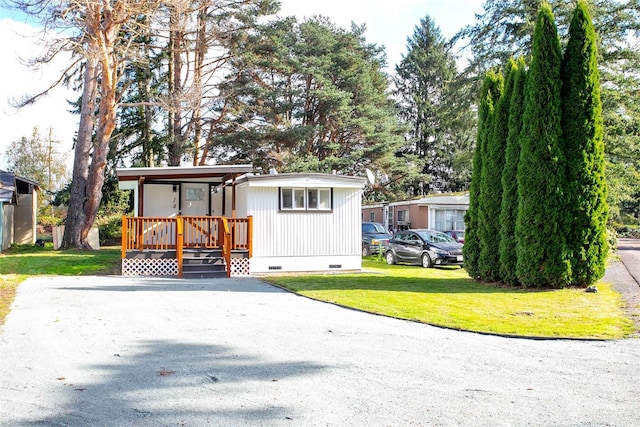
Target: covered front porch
185, 222
196, 247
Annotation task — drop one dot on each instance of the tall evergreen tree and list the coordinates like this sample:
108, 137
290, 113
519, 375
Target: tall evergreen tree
504, 29
422, 79
312, 97
491, 183
509, 207
491, 89
584, 152
542, 259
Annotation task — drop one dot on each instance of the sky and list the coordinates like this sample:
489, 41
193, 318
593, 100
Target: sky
385, 27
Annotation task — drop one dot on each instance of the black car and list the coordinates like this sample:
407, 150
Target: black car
374, 238
424, 247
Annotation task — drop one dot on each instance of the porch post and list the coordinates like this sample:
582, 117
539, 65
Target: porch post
140, 196
124, 237
250, 235
179, 243
233, 197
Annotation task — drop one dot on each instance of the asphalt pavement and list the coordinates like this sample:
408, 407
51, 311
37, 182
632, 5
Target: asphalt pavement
629, 251
116, 351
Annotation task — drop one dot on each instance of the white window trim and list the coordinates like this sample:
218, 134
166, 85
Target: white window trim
305, 191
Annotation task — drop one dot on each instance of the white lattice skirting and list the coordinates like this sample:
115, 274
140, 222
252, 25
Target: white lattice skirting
240, 267
149, 267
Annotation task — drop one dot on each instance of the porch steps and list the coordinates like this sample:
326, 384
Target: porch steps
203, 264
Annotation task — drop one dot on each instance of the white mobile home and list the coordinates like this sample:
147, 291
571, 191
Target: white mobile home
302, 222
221, 220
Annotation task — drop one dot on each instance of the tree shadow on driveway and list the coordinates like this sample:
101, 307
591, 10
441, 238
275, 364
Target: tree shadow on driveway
173, 383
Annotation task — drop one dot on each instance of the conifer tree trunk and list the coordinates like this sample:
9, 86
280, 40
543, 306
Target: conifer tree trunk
73, 233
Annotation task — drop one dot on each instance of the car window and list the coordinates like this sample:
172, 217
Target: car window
441, 238
380, 228
373, 227
413, 238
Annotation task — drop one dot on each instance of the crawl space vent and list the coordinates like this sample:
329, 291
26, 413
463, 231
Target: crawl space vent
275, 267
335, 265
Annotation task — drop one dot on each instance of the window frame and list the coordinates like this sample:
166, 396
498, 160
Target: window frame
323, 195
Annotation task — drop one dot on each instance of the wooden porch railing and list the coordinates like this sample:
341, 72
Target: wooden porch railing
178, 233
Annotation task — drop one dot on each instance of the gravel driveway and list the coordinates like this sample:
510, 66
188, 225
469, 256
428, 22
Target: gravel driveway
118, 351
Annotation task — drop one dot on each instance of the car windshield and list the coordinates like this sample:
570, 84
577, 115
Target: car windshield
435, 237
374, 228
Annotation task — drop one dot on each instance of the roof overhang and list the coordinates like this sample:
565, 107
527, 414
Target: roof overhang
317, 180
214, 174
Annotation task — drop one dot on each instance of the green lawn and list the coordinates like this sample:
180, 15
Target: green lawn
448, 297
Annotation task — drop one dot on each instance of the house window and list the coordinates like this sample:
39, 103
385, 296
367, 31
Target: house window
372, 216
403, 216
315, 199
319, 198
449, 219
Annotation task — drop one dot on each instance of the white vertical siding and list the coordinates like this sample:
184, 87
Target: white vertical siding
159, 200
242, 201
308, 233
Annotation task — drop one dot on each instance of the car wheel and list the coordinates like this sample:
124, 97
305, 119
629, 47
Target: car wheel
390, 258
366, 251
425, 260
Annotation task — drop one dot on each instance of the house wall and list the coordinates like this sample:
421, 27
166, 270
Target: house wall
415, 216
303, 241
159, 200
373, 213
422, 213
6, 216
25, 219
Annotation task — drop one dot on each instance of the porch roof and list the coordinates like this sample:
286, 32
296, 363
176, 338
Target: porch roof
215, 174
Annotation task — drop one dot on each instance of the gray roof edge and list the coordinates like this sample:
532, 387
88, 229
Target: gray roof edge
289, 175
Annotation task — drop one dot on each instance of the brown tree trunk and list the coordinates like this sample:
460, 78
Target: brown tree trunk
106, 125
176, 148
73, 236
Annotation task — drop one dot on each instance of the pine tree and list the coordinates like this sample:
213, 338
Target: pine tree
509, 207
491, 184
542, 259
422, 83
489, 95
582, 139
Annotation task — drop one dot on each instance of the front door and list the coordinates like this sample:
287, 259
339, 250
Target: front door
195, 199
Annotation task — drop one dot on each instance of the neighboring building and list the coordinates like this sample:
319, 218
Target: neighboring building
18, 210
274, 223
437, 212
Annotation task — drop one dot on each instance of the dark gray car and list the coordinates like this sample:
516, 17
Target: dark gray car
424, 247
374, 238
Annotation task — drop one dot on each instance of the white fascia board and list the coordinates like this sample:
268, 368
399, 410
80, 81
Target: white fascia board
306, 180
185, 171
